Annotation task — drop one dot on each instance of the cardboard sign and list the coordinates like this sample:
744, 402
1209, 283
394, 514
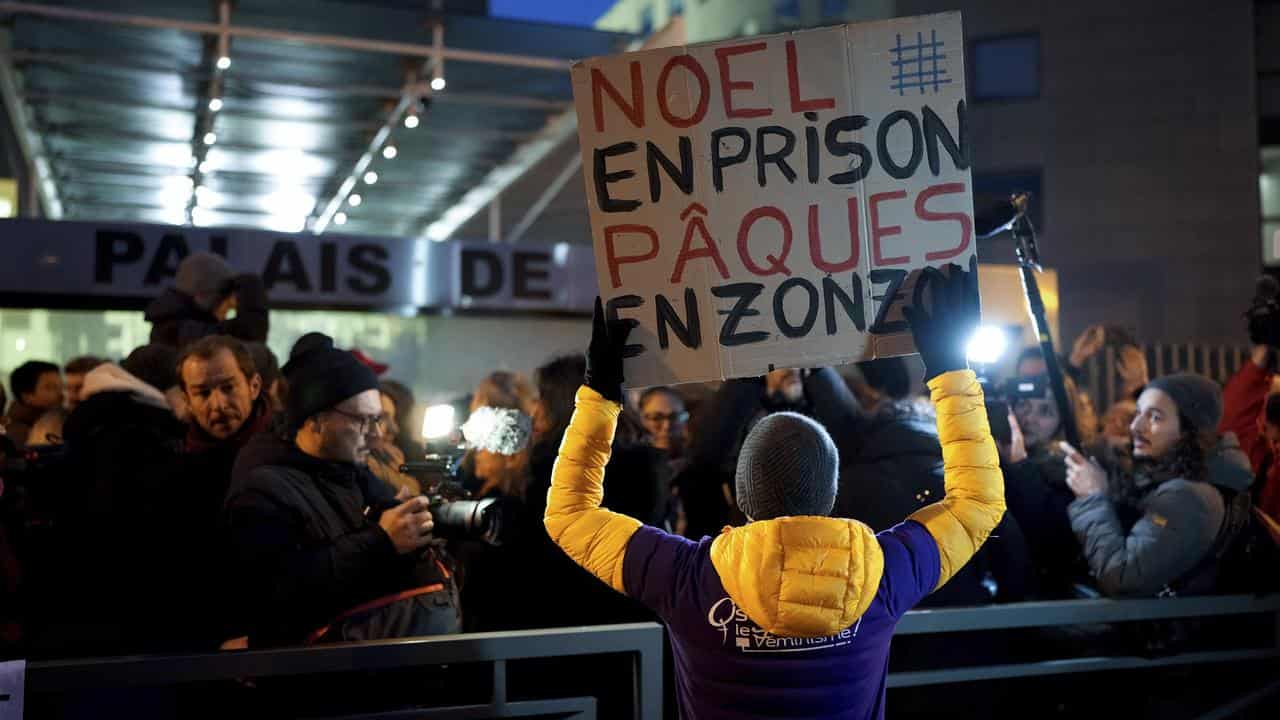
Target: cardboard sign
769, 201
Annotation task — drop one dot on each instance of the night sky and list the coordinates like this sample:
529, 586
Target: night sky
562, 12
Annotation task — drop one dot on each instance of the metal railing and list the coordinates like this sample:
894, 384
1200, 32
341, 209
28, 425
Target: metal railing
1218, 362
645, 642
1080, 612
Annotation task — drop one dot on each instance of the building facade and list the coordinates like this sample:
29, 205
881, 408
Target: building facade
1136, 125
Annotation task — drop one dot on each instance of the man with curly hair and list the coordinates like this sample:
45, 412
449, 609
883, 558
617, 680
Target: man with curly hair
1151, 531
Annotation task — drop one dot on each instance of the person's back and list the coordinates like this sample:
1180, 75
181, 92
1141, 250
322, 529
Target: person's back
791, 615
830, 608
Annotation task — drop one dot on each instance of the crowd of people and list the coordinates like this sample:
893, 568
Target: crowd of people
230, 501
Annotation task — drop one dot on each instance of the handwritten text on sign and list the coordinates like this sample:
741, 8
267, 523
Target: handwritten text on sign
765, 202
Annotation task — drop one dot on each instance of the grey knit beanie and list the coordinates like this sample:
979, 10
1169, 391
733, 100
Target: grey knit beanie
204, 276
787, 467
1198, 398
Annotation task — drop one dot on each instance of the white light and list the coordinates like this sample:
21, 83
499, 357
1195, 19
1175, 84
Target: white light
224, 62
178, 184
437, 422
21, 344
437, 84
290, 203
370, 177
205, 167
987, 344
389, 152
6, 208
215, 105
176, 190
200, 217
354, 200
179, 155
340, 218
411, 121
560, 254
210, 138
206, 196
286, 223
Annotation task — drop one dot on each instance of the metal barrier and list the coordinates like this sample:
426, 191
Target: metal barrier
1080, 612
645, 642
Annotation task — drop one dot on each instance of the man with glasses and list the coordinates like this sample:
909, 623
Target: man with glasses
324, 551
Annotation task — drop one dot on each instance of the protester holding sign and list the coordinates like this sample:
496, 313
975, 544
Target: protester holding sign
752, 635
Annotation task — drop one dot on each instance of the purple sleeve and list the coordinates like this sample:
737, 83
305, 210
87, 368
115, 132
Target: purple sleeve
660, 567
912, 566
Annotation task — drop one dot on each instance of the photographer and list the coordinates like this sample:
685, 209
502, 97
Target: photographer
736, 612
325, 552
204, 293
1250, 407
1150, 530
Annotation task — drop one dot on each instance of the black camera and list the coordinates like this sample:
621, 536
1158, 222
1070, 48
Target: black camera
1001, 397
456, 513
1263, 314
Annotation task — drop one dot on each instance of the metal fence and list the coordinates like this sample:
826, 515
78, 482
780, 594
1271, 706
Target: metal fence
644, 642
1218, 362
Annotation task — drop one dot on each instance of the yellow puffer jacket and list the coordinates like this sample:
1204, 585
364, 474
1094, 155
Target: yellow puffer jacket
795, 576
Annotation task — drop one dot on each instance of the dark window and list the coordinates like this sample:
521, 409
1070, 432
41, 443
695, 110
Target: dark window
1006, 68
646, 20
787, 10
834, 9
676, 7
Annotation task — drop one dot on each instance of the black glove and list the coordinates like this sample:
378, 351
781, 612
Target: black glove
605, 353
942, 334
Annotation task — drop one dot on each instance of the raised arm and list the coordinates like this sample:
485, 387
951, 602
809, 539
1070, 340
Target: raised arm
974, 500
594, 537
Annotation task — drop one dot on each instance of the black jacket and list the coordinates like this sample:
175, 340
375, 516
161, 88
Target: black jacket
307, 543
178, 321
105, 535
562, 592
891, 466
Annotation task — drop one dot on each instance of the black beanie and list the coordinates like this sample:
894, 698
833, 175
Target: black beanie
321, 376
154, 364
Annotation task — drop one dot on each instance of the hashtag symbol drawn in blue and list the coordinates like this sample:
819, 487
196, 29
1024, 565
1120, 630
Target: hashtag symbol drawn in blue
916, 66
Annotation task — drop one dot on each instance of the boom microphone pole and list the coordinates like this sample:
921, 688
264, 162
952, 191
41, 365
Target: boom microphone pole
1024, 237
